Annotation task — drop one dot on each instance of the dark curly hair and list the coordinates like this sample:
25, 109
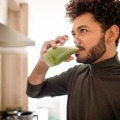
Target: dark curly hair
106, 12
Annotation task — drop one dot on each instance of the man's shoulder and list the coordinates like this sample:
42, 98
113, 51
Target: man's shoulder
80, 67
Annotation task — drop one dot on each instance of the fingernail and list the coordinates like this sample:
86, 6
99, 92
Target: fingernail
65, 36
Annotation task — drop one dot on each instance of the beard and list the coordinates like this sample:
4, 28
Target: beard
94, 53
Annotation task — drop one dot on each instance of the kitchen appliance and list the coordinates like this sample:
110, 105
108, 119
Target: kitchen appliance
12, 38
17, 114
27, 115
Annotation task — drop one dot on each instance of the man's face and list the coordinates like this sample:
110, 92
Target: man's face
89, 38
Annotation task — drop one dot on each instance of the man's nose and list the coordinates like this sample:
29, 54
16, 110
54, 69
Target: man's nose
77, 39
76, 43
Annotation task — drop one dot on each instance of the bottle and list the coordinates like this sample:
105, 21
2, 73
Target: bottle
55, 56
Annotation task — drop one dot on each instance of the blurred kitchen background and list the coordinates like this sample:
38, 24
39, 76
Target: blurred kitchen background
26, 24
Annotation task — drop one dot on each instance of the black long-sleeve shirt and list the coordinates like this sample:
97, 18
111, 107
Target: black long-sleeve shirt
93, 90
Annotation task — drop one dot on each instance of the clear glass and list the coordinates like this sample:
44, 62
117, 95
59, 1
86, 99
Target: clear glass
55, 56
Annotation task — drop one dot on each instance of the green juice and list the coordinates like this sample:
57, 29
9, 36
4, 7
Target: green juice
55, 56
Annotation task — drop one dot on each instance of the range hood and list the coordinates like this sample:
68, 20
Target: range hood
12, 38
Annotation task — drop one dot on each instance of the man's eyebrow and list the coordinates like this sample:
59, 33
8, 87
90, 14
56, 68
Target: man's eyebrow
79, 27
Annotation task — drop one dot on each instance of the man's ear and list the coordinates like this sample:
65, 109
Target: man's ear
112, 34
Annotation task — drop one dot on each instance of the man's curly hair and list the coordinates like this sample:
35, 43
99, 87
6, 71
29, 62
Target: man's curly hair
106, 12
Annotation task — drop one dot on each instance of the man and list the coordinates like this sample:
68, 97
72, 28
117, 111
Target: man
93, 87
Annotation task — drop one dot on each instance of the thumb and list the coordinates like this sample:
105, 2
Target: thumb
69, 59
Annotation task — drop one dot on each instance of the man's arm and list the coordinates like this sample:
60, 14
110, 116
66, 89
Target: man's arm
38, 74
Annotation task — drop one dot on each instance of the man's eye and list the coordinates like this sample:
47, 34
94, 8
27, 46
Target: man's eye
83, 30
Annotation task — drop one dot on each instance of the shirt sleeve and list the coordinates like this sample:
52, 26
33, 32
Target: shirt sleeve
53, 86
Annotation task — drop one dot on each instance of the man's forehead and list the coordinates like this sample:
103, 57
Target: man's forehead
84, 17
83, 20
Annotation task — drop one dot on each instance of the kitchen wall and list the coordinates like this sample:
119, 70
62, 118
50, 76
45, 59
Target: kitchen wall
13, 61
3, 19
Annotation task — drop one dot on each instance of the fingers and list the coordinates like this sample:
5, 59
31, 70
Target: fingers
69, 59
60, 40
